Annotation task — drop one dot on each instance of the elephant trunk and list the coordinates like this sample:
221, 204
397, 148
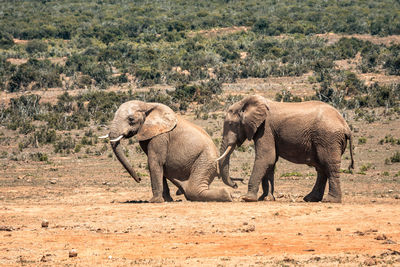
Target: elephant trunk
224, 165
119, 153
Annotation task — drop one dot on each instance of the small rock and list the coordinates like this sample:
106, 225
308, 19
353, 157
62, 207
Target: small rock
390, 191
373, 200
110, 257
53, 181
6, 228
45, 223
370, 262
43, 259
249, 228
338, 229
245, 223
299, 234
389, 242
73, 253
381, 237
359, 233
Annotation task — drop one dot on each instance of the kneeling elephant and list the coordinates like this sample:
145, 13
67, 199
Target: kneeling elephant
176, 149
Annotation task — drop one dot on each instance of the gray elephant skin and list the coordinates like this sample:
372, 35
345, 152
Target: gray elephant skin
312, 133
176, 149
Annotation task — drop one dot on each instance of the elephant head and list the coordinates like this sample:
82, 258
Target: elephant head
242, 121
145, 120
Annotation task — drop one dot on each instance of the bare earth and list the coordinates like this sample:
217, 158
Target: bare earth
94, 207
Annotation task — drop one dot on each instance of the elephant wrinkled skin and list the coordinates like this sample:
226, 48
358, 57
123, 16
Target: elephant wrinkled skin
312, 133
176, 149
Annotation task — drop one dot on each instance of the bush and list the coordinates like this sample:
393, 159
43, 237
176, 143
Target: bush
362, 140
6, 40
64, 146
42, 73
36, 46
395, 157
39, 156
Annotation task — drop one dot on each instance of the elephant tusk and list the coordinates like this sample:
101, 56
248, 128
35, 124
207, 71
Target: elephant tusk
117, 139
225, 153
103, 137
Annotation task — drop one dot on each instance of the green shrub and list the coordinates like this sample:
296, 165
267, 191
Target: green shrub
36, 46
395, 158
362, 140
39, 156
6, 40
64, 146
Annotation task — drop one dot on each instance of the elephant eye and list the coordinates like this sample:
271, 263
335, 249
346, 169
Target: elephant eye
131, 119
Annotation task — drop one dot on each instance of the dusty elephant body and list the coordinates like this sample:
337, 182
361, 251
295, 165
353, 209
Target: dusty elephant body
312, 133
176, 149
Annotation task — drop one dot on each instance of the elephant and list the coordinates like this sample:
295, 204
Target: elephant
311, 132
176, 149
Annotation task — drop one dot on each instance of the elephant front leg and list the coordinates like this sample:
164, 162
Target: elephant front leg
156, 177
166, 192
261, 167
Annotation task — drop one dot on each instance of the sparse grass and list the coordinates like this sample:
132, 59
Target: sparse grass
291, 174
362, 140
390, 139
346, 171
366, 167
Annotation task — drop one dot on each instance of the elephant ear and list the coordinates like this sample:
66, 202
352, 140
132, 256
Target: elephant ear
159, 119
253, 114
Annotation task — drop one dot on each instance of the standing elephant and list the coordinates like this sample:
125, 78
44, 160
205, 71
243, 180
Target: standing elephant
312, 133
176, 149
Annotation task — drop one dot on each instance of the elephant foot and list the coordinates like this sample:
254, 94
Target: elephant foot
312, 198
179, 192
156, 200
332, 199
262, 197
168, 198
249, 197
226, 195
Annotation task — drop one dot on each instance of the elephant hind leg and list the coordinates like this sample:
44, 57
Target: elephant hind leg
197, 188
266, 180
335, 192
317, 193
328, 170
207, 194
265, 187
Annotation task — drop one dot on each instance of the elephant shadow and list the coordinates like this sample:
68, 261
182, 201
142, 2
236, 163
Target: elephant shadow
141, 201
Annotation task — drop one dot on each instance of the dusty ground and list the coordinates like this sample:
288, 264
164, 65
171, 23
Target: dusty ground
93, 206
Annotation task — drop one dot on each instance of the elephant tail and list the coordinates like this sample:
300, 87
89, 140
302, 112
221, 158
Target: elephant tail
350, 138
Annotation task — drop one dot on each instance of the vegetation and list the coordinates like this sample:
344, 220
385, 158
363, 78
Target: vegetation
96, 44
395, 157
114, 42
